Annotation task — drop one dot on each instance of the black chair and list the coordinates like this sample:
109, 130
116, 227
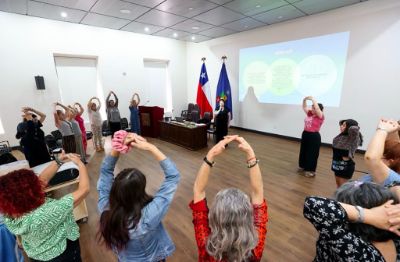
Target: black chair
124, 124
195, 116
105, 129
5, 153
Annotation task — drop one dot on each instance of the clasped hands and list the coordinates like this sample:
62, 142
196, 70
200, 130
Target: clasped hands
220, 147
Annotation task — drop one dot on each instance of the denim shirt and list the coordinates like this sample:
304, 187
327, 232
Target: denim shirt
148, 240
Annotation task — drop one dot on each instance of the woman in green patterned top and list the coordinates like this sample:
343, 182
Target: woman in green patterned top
47, 226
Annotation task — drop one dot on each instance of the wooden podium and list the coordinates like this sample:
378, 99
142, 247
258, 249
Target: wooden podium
150, 117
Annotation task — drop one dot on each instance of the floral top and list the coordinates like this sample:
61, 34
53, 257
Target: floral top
202, 229
336, 242
45, 230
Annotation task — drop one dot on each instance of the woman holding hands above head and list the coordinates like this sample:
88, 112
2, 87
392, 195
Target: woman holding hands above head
79, 111
95, 122
62, 121
46, 226
113, 115
134, 108
310, 138
234, 229
383, 154
130, 220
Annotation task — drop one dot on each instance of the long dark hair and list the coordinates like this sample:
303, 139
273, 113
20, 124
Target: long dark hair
366, 195
350, 123
127, 198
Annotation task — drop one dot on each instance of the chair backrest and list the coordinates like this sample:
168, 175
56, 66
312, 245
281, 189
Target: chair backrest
104, 126
51, 142
56, 134
190, 107
195, 116
196, 107
207, 116
124, 123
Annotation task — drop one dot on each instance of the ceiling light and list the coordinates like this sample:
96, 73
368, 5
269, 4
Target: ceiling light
125, 11
146, 29
175, 35
258, 6
280, 17
245, 26
195, 27
64, 14
193, 38
190, 8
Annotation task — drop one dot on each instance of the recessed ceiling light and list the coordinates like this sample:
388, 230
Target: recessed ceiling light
193, 38
64, 14
146, 29
175, 35
125, 11
195, 27
280, 17
258, 6
190, 8
246, 26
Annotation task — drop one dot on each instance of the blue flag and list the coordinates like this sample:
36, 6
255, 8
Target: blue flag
224, 90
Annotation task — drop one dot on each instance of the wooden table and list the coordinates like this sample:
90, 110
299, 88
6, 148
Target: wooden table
191, 136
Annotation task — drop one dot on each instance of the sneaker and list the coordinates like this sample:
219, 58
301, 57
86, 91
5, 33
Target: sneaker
309, 174
300, 169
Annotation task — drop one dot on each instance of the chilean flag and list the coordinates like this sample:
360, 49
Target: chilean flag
203, 92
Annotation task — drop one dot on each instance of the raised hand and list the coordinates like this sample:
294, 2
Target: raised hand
142, 144
75, 158
244, 146
389, 125
220, 147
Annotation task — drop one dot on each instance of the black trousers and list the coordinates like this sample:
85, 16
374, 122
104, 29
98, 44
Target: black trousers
71, 254
309, 150
114, 127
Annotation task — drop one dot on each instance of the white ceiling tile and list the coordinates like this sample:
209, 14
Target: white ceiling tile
148, 3
192, 26
141, 28
187, 8
243, 24
197, 38
217, 32
220, 2
54, 12
114, 7
160, 18
14, 6
168, 32
76, 4
252, 7
219, 16
104, 21
279, 15
316, 6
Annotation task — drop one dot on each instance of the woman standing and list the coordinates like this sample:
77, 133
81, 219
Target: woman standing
79, 109
222, 118
62, 121
134, 108
310, 138
78, 134
113, 116
344, 146
32, 139
46, 226
235, 227
130, 221
95, 123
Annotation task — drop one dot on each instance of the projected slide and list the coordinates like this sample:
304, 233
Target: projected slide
284, 73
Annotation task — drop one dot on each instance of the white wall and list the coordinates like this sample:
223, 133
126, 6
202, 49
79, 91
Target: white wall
27, 47
372, 76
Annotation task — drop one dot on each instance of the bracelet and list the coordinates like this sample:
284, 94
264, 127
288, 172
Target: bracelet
360, 218
211, 164
252, 164
58, 162
251, 158
381, 128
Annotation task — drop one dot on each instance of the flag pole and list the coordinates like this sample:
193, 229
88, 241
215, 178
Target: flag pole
203, 59
224, 58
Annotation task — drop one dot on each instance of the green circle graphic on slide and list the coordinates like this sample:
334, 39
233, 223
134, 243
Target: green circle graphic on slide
284, 77
318, 74
257, 75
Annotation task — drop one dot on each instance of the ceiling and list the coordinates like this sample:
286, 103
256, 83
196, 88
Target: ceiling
187, 20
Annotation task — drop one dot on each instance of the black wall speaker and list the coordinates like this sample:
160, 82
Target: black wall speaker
39, 82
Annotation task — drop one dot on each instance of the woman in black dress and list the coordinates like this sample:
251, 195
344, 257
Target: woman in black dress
221, 119
32, 137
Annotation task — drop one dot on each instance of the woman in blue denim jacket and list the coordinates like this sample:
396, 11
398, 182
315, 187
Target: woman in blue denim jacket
130, 221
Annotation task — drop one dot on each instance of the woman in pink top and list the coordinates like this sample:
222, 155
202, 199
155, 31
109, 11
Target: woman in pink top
81, 123
310, 139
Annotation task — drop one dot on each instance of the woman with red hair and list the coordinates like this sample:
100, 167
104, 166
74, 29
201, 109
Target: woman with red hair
47, 226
